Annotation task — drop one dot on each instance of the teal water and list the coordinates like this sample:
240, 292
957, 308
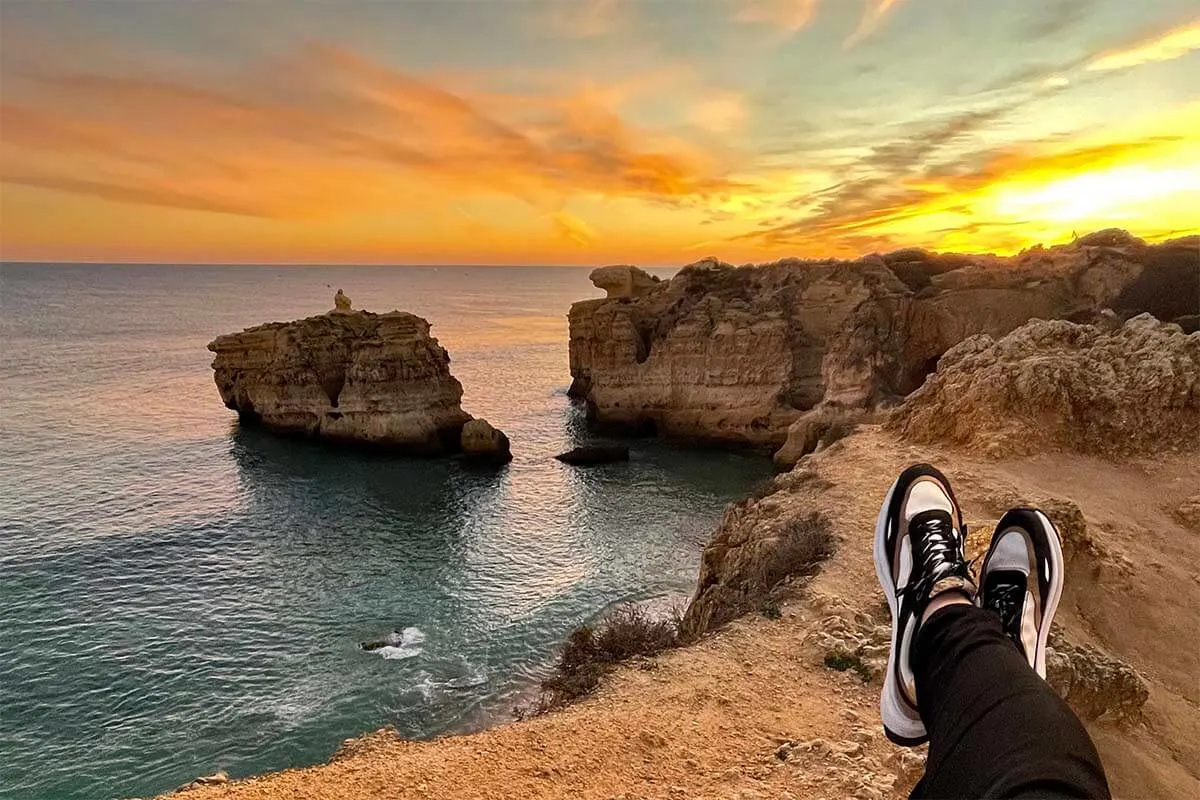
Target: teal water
179, 596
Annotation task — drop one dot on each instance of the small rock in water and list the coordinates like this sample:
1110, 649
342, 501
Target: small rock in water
215, 779
589, 455
481, 443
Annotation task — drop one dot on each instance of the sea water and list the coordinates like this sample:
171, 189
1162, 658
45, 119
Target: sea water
179, 595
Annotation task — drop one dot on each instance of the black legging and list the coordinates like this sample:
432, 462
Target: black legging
996, 729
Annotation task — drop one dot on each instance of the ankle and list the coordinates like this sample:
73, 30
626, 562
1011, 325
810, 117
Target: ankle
951, 597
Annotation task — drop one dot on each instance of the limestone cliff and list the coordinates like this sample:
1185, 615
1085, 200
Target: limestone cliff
737, 355
350, 376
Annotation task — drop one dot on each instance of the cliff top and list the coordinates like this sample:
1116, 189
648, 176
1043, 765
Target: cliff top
355, 323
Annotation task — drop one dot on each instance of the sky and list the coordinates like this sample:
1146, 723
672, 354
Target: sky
652, 132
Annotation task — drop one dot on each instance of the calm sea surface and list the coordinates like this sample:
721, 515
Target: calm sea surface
179, 596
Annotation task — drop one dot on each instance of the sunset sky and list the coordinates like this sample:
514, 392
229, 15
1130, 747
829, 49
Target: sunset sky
589, 131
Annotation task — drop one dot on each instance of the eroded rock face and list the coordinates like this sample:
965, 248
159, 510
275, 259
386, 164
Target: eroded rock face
820, 427
1094, 684
350, 376
736, 355
1057, 385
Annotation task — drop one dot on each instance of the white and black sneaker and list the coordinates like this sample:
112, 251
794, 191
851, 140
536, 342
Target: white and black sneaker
919, 540
1022, 580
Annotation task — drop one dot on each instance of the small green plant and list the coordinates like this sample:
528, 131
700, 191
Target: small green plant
842, 661
772, 611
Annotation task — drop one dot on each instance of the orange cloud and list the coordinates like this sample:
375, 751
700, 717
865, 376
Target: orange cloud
1168, 46
719, 113
329, 133
573, 229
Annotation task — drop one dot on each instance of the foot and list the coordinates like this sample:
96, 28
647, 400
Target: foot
918, 556
1022, 580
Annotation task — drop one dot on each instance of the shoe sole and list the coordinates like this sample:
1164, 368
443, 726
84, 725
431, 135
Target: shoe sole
1054, 542
898, 727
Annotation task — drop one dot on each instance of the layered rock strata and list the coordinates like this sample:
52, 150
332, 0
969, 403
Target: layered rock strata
737, 355
347, 376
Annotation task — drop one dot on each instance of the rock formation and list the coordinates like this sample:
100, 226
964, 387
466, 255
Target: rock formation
736, 355
349, 376
481, 442
820, 427
1057, 385
623, 281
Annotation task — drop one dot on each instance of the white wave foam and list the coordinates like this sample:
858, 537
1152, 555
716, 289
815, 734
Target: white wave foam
394, 653
412, 635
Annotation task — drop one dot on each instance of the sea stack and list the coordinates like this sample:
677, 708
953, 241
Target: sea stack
347, 376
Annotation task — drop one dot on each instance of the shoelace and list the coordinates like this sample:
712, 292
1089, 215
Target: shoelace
938, 554
1006, 600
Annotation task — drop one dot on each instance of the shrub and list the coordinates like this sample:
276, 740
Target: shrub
796, 550
590, 652
803, 544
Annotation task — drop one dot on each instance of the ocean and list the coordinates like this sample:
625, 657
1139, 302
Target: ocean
180, 596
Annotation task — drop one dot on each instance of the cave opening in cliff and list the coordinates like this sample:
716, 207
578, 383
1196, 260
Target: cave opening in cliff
332, 384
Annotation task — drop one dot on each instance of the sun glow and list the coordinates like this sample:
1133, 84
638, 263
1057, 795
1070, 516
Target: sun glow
1115, 192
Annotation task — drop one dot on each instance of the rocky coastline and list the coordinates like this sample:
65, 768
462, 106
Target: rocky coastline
1066, 377
739, 355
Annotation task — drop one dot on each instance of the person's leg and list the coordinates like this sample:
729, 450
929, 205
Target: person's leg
970, 680
996, 729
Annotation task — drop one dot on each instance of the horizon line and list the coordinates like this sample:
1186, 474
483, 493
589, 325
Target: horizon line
412, 265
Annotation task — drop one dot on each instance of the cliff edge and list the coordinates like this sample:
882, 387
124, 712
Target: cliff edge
346, 376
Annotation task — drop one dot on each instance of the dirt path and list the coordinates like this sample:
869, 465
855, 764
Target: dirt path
752, 712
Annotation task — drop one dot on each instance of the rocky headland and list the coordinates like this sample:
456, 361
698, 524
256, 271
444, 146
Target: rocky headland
737, 355
351, 377
776, 693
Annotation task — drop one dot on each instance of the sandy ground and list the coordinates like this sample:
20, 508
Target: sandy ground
708, 721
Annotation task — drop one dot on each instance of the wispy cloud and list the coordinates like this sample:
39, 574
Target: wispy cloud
1055, 18
581, 19
872, 18
793, 16
790, 16
1168, 46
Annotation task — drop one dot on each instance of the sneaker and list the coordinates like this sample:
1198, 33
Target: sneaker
919, 540
1022, 580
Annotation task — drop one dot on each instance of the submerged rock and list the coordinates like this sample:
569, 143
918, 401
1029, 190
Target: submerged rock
737, 354
347, 376
590, 455
483, 443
